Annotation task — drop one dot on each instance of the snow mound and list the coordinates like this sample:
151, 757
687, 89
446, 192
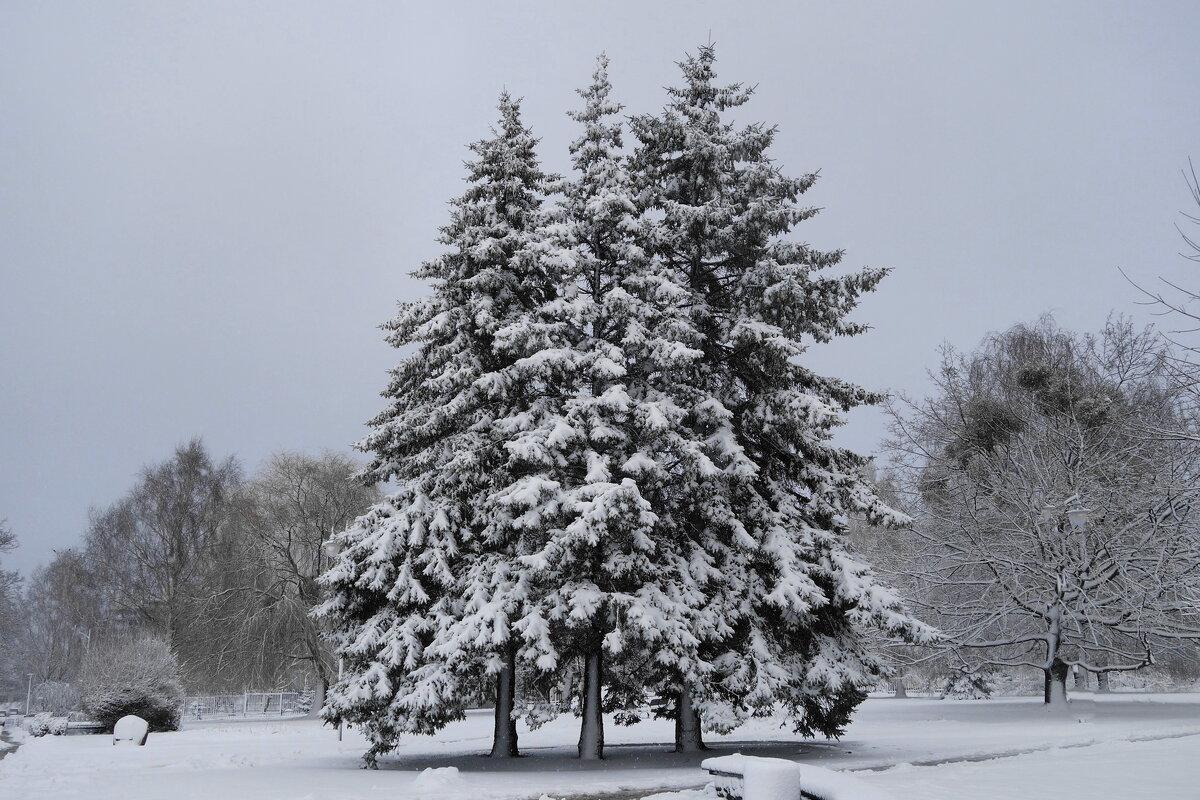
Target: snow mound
439, 778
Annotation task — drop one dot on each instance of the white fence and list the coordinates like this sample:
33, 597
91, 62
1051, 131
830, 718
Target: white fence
248, 704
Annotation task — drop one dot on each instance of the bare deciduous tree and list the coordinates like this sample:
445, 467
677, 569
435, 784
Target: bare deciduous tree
61, 611
10, 618
269, 562
150, 549
1049, 529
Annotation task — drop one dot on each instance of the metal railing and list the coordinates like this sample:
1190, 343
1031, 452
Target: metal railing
247, 705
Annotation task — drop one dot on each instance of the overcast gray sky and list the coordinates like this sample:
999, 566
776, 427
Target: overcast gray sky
206, 209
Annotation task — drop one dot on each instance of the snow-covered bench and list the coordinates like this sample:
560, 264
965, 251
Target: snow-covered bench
740, 777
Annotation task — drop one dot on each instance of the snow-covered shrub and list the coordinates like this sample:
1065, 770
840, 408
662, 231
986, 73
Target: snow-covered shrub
136, 675
46, 723
37, 725
968, 686
304, 702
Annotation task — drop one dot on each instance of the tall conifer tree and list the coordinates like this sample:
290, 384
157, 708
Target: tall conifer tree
427, 591
593, 455
763, 507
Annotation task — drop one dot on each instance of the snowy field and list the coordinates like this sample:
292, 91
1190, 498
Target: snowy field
1118, 746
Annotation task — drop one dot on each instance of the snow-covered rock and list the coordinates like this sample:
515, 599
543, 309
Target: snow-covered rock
131, 728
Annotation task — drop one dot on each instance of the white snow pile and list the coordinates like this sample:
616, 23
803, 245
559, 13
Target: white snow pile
436, 779
781, 779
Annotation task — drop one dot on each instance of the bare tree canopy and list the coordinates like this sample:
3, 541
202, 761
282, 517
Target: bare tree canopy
148, 549
1051, 528
222, 570
10, 617
267, 562
62, 610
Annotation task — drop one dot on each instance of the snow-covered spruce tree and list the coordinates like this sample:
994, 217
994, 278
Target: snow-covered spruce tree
591, 457
427, 594
761, 499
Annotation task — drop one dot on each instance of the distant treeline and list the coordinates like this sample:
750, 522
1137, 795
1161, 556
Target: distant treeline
221, 567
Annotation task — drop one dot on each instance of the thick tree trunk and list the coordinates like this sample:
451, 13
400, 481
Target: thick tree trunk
319, 697
900, 689
591, 729
688, 737
504, 739
1056, 683
1080, 679
1102, 682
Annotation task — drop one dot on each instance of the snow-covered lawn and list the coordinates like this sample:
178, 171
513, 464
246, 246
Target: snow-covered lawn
1166, 769
296, 759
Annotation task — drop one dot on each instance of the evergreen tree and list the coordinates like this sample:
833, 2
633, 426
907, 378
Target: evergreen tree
427, 592
761, 505
596, 453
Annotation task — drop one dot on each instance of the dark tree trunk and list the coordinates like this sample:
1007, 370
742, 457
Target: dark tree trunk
591, 729
1056, 683
900, 689
504, 739
1102, 682
688, 737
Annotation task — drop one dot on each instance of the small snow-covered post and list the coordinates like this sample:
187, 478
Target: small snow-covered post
771, 779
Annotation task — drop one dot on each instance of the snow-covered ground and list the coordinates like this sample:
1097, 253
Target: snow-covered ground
1084, 752
1166, 769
